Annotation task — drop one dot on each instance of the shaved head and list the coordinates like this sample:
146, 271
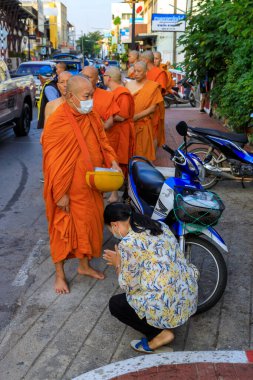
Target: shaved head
64, 75
140, 71
147, 56
76, 84
114, 73
60, 67
63, 81
133, 56
91, 73
157, 58
142, 65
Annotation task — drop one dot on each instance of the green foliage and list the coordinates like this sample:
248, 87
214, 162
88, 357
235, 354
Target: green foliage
117, 21
89, 43
218, 41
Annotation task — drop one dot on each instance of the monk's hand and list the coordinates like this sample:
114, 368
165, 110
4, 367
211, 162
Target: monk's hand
63, 203
115, 166
112, 257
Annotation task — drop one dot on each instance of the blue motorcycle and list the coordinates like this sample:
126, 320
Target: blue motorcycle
189, 210
222, 154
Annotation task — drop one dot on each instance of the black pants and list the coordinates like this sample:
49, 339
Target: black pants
120, 309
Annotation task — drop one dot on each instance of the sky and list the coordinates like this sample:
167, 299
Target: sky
89, 15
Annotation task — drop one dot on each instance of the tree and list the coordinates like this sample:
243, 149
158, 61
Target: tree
117, 23
217, 41
91, 43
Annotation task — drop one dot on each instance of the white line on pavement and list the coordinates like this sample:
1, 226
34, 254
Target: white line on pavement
22, 275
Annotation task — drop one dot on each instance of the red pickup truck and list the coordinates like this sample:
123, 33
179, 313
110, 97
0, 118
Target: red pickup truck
17, 97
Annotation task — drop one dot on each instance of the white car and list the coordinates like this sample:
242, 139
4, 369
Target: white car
33, 68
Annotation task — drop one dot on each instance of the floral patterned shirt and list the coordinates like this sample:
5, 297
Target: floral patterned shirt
159, 283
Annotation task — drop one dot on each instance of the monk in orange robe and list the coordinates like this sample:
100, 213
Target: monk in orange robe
121, 135
133, 57
163, 66
159, 76
103, 101
74, 210
147, 95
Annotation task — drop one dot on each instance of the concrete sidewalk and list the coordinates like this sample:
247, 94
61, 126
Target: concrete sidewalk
62, 337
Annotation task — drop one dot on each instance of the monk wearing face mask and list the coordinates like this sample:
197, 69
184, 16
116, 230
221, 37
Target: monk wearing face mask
74, 210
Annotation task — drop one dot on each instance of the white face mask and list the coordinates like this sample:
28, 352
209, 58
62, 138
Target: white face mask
85, 106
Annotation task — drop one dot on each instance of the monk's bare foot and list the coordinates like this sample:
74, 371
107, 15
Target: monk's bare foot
165, 337
114, 197
61, 286
88, 271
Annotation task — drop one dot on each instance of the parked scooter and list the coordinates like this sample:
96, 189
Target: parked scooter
222, 154
177, 98
189, 210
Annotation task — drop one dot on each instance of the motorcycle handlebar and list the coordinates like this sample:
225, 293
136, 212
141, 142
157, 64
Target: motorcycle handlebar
169, 150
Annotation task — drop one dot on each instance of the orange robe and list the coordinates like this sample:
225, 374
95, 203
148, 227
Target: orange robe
79, 233
121, 135
104, 104
159, 76
171, 83
144, 98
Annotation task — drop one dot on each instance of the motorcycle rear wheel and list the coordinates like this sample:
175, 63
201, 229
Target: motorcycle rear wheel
202, 152
212, 267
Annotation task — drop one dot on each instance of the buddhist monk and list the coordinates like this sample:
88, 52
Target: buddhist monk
133, 57
74, 210
103, 101
147, 96
62, 87
121, 135
159, 76
164, 66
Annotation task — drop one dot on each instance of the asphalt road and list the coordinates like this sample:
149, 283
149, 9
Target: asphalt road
22, 217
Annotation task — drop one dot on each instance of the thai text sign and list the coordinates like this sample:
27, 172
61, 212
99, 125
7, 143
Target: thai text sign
168, 22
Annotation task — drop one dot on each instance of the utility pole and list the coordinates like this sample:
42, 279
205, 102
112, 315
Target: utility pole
133, 27
175, 38
82, 37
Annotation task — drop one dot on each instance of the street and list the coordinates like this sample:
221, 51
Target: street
21, 214
46, 336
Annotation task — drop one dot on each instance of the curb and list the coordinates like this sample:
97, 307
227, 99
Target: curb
135, 364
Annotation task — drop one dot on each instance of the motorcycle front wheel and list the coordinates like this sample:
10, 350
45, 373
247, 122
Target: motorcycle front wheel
192, 100
212, 268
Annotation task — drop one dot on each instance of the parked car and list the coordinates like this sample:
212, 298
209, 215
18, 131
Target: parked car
73, 63
17, 97
112, 63
33, 68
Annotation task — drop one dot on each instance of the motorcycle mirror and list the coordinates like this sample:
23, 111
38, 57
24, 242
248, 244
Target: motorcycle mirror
182, 128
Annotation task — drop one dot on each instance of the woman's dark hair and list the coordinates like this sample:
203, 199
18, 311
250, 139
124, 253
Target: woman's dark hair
120, 212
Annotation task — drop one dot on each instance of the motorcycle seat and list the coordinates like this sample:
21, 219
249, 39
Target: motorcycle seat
148, 181
236, 137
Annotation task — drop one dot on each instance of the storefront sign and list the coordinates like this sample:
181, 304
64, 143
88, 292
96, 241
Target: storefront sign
168, 22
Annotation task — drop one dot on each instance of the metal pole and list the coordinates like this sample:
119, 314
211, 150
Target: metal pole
175, 38
133, 27
29, 49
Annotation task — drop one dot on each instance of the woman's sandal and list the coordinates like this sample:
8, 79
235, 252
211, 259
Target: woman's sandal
142, 346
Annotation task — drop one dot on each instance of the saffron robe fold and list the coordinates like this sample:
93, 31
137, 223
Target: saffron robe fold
121, 135
104, 104
144, 98
80, 232
159, 76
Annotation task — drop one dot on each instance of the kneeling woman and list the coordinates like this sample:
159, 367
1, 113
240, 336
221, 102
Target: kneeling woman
160, 287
